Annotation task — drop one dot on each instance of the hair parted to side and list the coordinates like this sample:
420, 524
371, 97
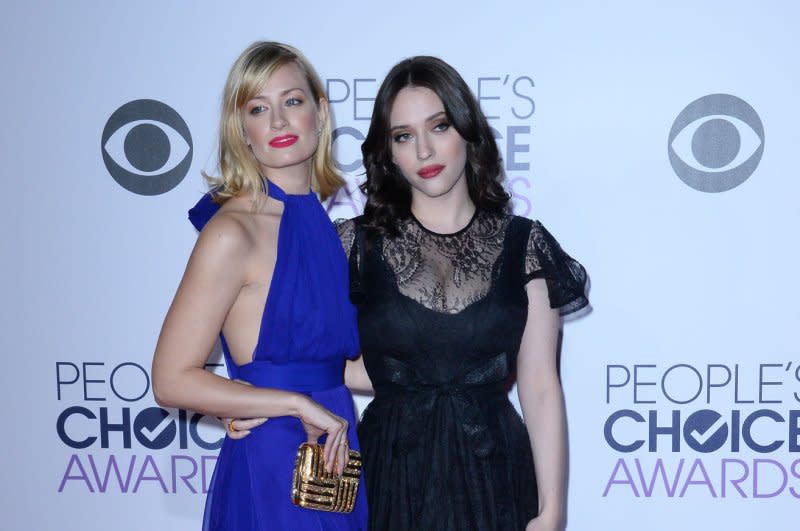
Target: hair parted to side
238, 167
388, 193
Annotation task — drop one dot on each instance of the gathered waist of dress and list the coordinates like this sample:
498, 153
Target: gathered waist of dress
411, 389
305, 376
398, 378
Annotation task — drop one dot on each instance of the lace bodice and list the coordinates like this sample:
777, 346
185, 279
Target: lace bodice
449, 272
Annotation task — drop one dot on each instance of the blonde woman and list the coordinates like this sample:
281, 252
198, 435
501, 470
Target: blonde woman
269, 276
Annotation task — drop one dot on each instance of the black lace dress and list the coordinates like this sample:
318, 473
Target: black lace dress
441, 319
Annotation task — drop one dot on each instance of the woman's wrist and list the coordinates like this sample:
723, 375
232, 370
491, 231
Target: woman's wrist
298, 404
552, 518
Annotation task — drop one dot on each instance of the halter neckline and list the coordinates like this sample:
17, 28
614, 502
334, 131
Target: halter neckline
276, 192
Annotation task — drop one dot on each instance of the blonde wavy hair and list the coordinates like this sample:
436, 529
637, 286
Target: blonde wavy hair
238, 167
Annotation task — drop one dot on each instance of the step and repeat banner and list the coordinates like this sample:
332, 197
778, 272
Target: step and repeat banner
655, 140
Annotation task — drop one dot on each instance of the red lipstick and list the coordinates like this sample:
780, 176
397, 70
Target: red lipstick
431, 171
283, 141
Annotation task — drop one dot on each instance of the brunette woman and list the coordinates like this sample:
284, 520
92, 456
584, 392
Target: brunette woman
454, 296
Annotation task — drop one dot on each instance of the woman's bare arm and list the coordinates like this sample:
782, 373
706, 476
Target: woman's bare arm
214, 276
542, 402
356, 377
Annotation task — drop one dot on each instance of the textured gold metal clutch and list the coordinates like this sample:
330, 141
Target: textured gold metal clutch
314, 488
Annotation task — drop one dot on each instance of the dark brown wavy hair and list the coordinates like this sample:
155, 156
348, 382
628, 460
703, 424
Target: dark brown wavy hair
388, 193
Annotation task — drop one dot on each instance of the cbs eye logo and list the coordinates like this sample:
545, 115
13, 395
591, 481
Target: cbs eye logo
147, 147
716, 143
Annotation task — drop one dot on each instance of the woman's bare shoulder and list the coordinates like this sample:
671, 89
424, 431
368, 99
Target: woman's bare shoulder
239, 228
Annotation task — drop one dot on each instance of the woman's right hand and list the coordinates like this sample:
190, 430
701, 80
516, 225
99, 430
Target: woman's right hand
317, 421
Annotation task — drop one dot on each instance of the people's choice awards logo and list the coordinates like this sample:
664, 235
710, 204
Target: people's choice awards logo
147, 147
117, 442
716, 143
717, 430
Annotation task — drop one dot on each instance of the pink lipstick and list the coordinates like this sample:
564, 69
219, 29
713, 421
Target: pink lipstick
283, 141
431, 171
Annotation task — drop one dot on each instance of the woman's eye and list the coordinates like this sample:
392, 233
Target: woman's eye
291, 102
444, 126
402, 137
257, 109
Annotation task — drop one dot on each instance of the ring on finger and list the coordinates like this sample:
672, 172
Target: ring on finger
231, 427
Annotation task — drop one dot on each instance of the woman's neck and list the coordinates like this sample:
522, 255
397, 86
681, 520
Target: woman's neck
444, 215
295, 180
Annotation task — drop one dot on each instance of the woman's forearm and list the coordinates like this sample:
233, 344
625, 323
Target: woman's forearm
545, 419
197, 389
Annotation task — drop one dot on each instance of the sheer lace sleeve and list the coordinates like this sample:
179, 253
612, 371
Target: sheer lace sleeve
566, 278
346, 228
352, 240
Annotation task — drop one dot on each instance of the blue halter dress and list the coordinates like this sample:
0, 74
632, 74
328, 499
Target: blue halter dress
307, 331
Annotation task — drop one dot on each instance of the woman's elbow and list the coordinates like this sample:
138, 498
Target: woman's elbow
164, 389
162, 395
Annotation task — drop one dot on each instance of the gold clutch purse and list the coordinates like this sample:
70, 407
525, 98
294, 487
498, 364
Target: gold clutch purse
314, 488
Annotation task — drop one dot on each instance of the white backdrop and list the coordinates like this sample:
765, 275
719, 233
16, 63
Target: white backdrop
682, 385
